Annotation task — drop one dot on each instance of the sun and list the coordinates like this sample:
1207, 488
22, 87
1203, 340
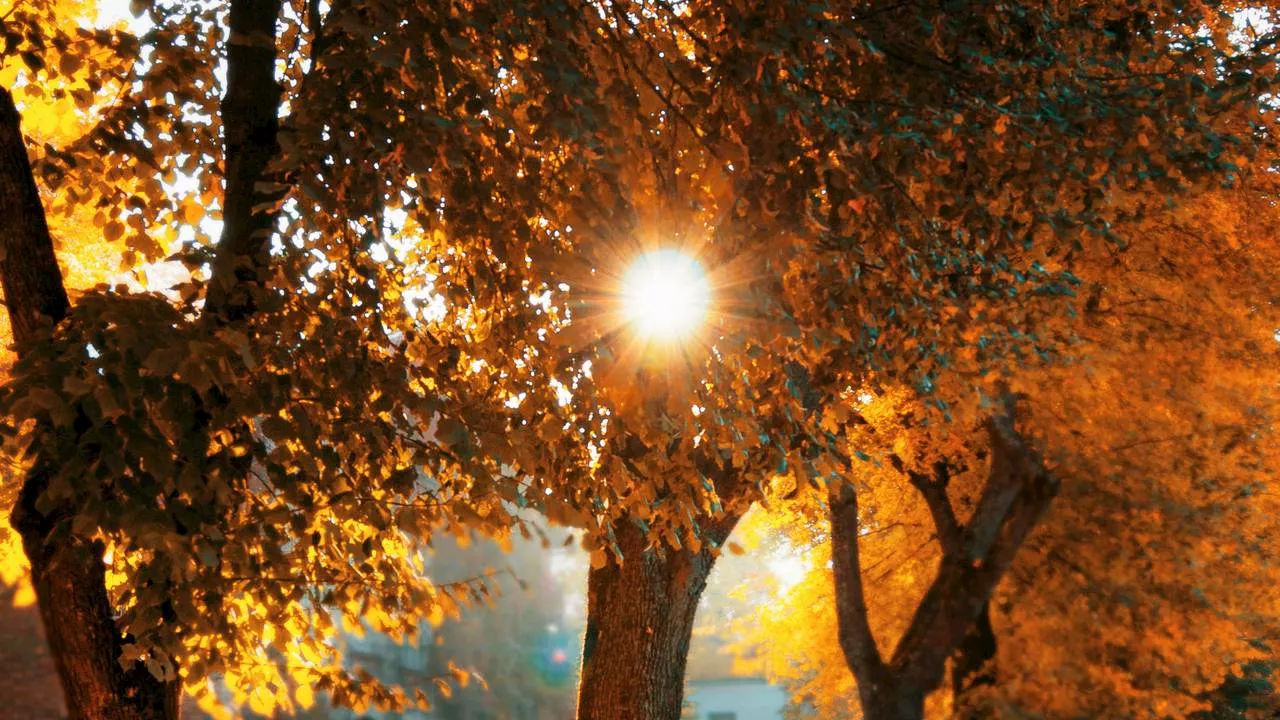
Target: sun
665, 295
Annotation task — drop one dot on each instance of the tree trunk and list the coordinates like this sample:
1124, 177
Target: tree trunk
69, 578
882, 695
68, 572
639, 622
29, 270
890, 702
969, 666
250, 125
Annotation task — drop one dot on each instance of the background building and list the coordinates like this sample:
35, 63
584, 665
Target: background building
735, 698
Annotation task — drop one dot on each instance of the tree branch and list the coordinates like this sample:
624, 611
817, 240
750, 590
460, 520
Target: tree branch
856, 639
1017, 493
29, 272
250, 124
1004, 483
934, 492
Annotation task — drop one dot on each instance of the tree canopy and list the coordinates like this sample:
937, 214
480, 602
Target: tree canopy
404, 226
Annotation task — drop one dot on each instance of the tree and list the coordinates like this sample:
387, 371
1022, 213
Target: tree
1017, 488
1170, 457
454, 190
68, 576
66, 568
251, 451
1039, 220
1138, 595
237, 493
918, 173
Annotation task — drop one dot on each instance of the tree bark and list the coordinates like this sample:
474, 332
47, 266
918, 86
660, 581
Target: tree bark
880, 693
640, 617
890, 702
969, 666
69, 578
29, 271
67, 572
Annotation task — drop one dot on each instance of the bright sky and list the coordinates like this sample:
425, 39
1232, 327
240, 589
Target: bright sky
111, 12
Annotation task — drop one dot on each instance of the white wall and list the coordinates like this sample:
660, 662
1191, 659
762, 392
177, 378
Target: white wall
747, 698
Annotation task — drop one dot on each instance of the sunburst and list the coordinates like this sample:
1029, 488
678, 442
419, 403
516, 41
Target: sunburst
665, 296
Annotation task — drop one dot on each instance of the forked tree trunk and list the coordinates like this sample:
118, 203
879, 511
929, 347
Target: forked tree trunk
639, 623
893, 703
952, 620
67, 572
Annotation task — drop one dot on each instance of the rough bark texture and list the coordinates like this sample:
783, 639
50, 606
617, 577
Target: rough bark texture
639, 622
953, 617
893, 703
1017, 492
879, 693
67, 572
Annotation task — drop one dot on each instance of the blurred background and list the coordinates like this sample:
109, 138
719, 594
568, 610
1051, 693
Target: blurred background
514, 656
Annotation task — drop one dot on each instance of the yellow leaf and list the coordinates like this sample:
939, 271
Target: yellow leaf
191, 213
26, 594
462, 676
305, 696
598, 558
435, 616
262, 701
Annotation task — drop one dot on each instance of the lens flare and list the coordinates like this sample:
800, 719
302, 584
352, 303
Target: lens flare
665, 295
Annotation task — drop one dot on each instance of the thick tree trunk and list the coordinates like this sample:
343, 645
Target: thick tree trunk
893, 703
70, 583
639, 622
67, 572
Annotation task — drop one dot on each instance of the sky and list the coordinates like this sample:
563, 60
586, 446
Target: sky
111, 12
